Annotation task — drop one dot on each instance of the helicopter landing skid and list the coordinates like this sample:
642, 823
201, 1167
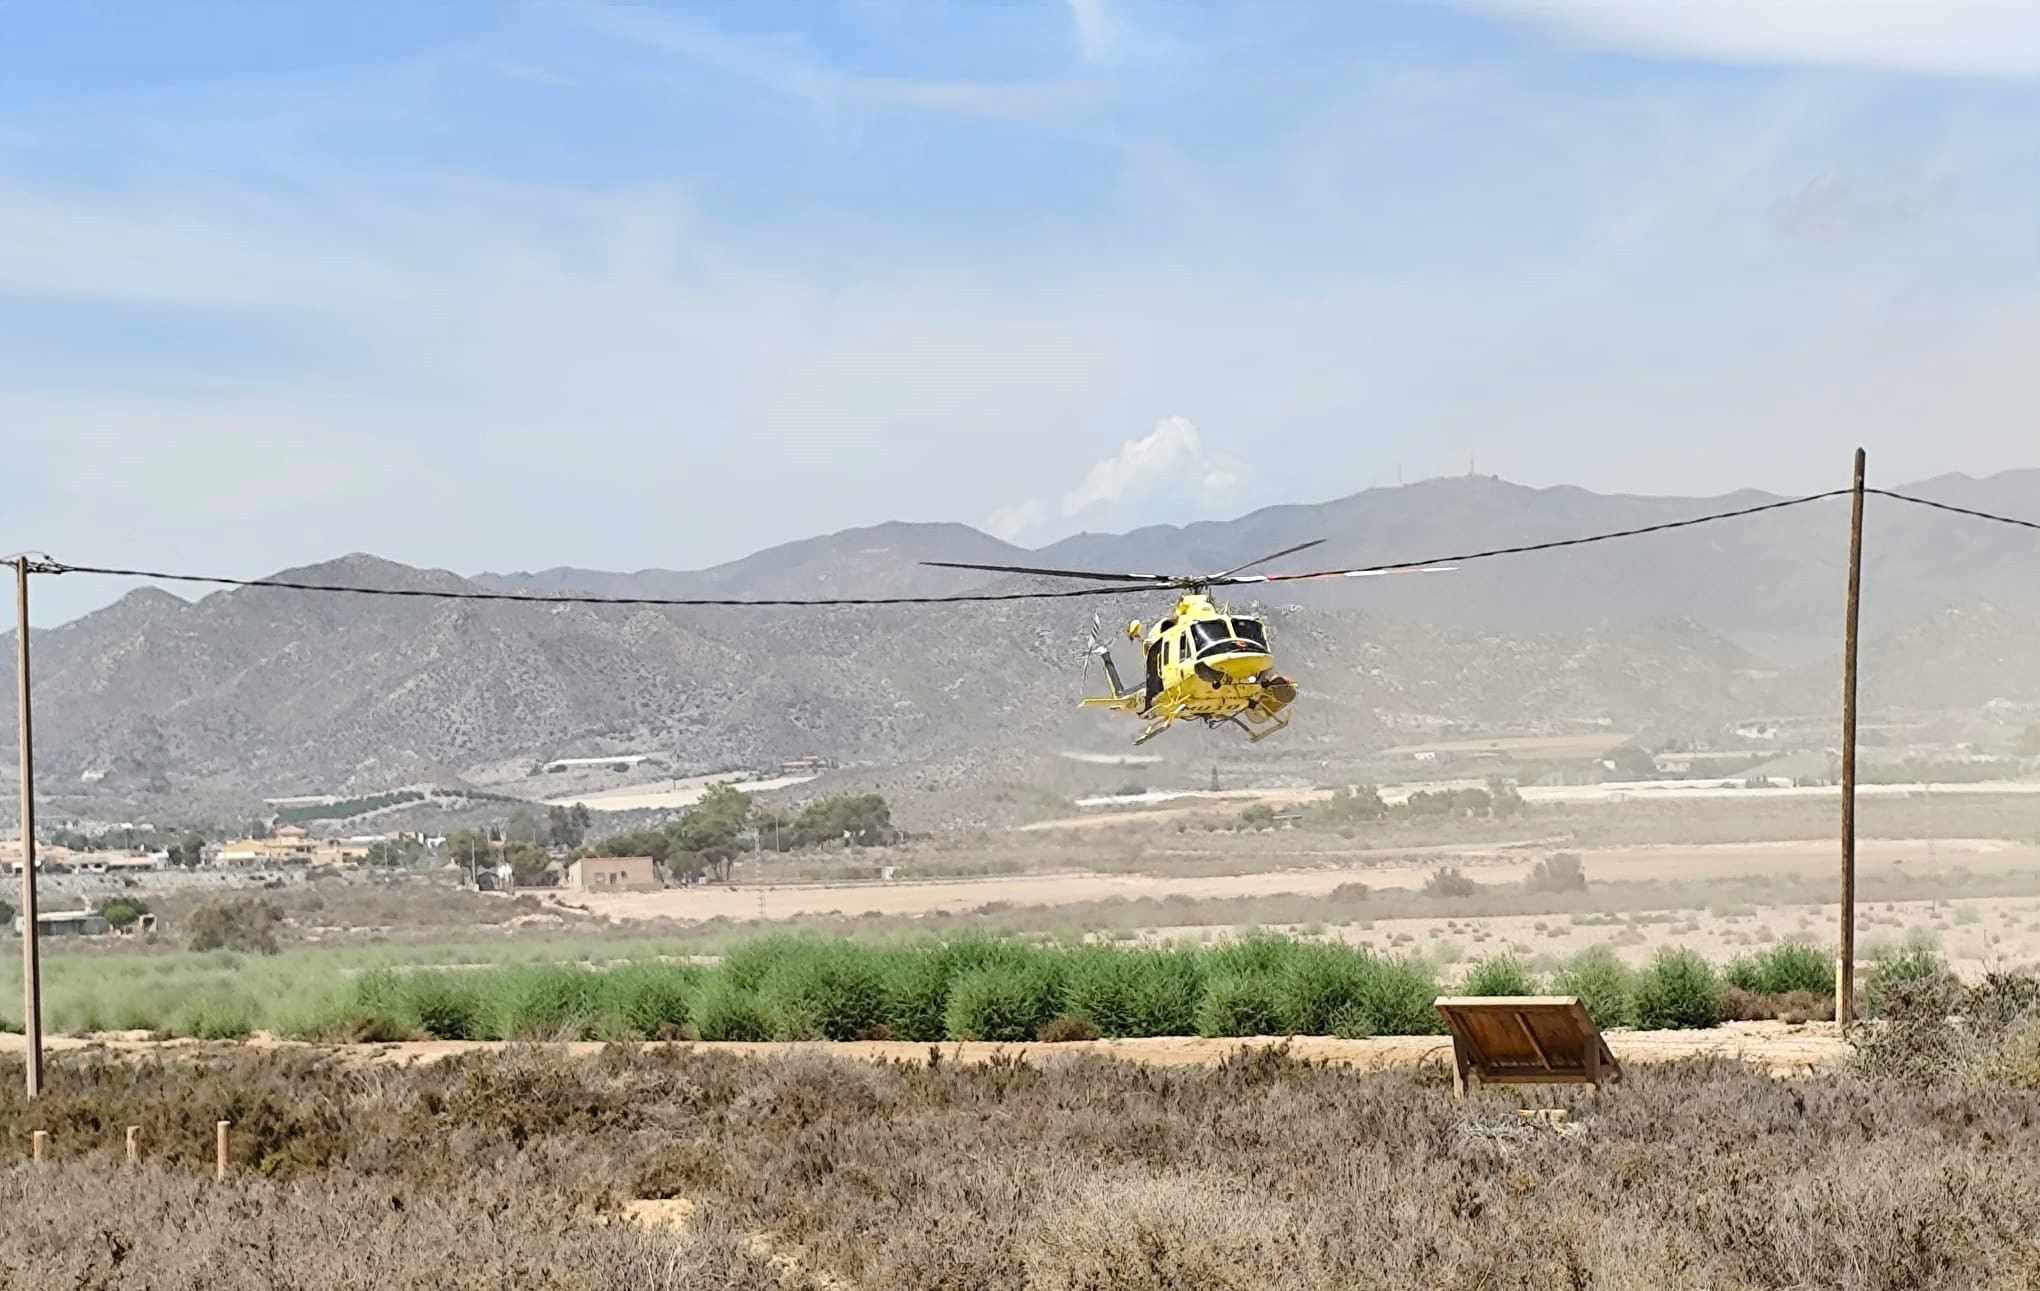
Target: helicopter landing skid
1254, 736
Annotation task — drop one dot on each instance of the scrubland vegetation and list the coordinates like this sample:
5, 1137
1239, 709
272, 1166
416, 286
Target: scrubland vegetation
513, 1169
973, 987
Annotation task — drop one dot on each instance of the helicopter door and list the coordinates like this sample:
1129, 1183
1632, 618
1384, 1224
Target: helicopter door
1154, 672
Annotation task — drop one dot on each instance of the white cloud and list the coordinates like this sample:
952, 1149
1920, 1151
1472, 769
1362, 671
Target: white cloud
1094, 29
1975, 37
1158, 461
825, 88
536, 75
1009, 524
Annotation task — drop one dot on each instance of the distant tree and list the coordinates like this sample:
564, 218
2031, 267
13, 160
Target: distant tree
122, 912
776, 828
1258, 815
529, 864
388, 853
1559, 872
469, 849
189, 851
862, 820
567, 826
712, 833
1503, 798
523, 827
1633, 762
1348, 805
1449, 882
258, 829
6, 910
654, 843
235, 923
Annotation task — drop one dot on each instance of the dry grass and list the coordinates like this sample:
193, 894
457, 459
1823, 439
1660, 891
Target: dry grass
1266, 1173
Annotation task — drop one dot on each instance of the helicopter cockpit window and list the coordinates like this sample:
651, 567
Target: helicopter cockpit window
1208, 635
1251, 630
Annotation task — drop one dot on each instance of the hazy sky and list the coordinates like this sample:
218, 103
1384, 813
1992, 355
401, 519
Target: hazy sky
510, 286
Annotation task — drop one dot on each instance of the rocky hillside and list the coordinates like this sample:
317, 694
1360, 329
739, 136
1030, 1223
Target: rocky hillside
283, 691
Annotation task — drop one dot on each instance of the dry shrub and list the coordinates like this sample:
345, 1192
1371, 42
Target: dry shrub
1138, 1228
493, 1170
1739, 1005
1066, 1029
235, 923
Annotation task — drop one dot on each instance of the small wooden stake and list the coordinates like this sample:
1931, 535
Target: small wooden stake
134, 1146
220, 1151
38, 1144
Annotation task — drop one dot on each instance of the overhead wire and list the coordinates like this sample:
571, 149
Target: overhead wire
573, 598
1949, 506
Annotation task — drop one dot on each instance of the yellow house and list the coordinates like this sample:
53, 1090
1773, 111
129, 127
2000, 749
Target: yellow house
290, 845
614, 874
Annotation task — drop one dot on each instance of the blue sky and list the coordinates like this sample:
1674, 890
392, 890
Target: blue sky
508, 286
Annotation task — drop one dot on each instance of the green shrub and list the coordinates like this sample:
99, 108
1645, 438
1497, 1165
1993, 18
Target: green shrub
1679, 991
1240, 1004
1134, 992
1914, 980
546, 1002
1787, 967
745, 965
917, 995
1499, 976
214, 1018
996, 1002
1397, 998
1604, 985
725, 1011
1257, 955
445, 1005
121, 912
824, 993
1322, 985
657, 1000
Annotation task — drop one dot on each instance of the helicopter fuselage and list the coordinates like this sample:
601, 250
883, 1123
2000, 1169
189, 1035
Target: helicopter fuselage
1204, 661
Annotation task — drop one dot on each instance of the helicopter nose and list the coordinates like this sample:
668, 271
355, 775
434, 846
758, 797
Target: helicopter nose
1239, 665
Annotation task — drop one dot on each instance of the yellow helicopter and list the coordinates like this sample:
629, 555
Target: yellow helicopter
1204, 660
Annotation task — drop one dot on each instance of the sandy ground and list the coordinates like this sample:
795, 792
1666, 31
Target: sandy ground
1147, 808
1778, 1047
1724, 861
669, 795
1591, 745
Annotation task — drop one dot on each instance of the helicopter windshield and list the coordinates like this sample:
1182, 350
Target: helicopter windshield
1217, 636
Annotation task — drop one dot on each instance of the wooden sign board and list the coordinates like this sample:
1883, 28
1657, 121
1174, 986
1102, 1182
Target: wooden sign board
1525, 1040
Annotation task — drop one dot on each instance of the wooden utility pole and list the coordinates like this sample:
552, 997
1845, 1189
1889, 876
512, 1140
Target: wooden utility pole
1845, 959
31, 928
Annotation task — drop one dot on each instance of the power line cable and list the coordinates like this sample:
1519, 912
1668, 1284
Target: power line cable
572, 598
58, 567
1949, 506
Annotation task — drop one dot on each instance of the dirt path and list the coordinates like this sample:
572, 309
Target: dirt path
1778, 1047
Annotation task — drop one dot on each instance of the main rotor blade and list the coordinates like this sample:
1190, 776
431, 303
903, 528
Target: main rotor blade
1056, 573
1286, 551
1340, 573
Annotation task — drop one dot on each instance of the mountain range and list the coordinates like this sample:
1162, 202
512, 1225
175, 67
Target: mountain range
287, 691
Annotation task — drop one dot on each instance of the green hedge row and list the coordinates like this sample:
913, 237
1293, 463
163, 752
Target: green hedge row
990, 988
